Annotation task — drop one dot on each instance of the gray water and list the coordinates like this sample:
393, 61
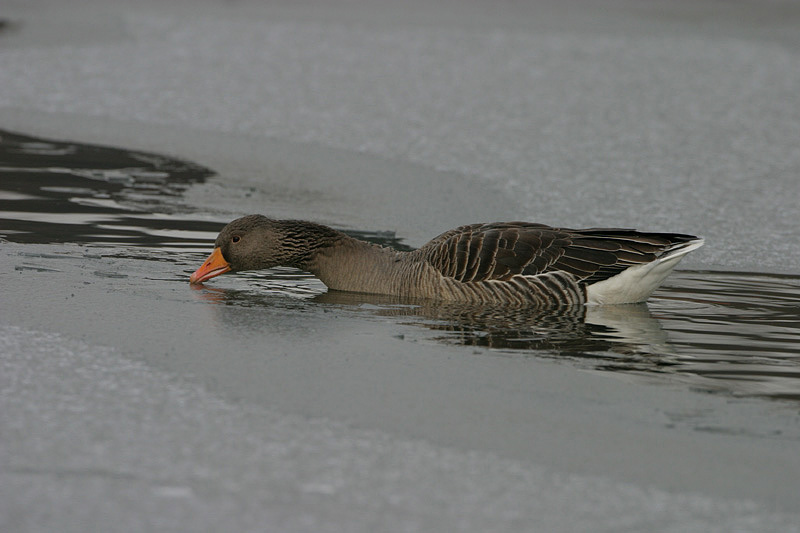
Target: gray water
730, 332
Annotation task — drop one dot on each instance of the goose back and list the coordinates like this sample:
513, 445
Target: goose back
510, 261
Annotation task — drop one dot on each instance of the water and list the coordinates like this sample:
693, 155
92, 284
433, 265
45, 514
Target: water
729, 332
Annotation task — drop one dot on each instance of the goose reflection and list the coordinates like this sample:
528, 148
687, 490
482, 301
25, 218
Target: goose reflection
619, 337
577, 330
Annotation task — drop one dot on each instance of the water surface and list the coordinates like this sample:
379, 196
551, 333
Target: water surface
729, 332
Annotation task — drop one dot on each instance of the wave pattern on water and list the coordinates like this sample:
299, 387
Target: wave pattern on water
737, 328
59, 191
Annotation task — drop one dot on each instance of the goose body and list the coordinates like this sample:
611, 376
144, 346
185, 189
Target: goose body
515, 263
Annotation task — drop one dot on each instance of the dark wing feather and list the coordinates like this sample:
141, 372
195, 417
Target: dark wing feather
481, 252
498, 251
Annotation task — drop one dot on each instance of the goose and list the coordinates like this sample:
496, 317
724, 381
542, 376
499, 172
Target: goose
508, 263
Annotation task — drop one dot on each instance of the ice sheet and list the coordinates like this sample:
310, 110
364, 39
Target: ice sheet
690, 130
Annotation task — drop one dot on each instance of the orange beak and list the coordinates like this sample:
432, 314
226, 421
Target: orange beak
214, 266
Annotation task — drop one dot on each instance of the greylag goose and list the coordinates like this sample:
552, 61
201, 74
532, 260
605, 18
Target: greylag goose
517, 263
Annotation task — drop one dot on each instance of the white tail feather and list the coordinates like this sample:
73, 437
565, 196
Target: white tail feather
635, 284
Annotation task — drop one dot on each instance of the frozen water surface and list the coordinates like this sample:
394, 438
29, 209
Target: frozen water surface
608, 123
138, 451
132, 402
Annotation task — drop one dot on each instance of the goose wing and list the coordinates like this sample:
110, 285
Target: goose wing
499, 251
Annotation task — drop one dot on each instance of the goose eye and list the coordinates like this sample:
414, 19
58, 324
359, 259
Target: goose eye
236, 238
